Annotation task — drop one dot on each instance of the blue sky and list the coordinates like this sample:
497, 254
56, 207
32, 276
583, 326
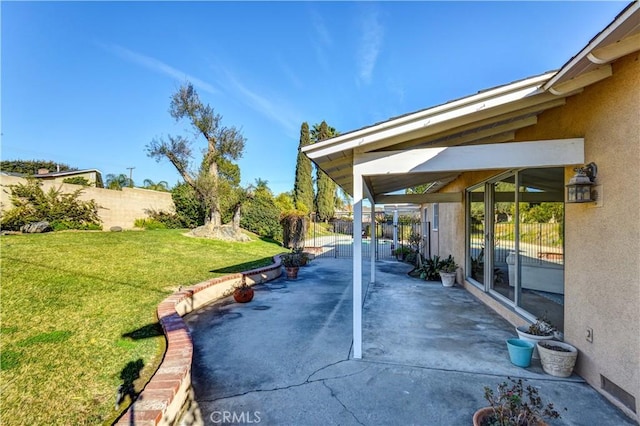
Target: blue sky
88, 84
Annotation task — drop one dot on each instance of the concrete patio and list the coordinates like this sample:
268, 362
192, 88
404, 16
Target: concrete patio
428, 351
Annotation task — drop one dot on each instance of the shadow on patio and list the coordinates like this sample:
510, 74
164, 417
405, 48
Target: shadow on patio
428, 351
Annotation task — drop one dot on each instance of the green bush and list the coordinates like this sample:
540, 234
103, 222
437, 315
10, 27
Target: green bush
32, 204
188, 209
63, 225
159, 219
431, 267
261, 216
77, 180
149, 224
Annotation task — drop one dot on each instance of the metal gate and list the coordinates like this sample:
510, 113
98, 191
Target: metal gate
335, 239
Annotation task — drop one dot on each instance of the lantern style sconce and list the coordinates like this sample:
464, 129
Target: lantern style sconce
579, 188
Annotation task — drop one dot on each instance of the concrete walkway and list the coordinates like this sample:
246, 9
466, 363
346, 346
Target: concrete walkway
428, 352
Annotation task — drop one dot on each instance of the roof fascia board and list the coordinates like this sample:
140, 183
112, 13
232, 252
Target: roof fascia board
437, 123
547, 153
593, 45
474, 102
604, 55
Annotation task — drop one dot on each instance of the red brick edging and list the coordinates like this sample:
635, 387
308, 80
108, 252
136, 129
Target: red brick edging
162, 400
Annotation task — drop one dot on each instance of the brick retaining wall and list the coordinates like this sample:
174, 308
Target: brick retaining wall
168, 392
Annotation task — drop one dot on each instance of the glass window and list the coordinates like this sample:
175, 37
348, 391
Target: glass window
436, 216
475, 233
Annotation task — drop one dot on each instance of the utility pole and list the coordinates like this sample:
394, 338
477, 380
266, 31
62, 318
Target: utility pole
130, 176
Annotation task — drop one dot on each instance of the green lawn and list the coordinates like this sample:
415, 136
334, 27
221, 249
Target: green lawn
78, 312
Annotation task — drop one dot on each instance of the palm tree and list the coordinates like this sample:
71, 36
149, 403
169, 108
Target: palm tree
118, 181
155, 186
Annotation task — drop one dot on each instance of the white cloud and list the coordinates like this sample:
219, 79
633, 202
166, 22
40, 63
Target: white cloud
275, 111
158, 66
322, 40
293, 77
370, 45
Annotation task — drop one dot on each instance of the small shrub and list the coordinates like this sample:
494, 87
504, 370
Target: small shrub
515, 404
430, 268
63, 225
159, 219
149, 224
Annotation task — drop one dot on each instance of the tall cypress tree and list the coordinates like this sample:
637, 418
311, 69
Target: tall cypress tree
303, 186
326, 188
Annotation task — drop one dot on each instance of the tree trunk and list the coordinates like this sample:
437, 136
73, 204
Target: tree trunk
236, 218
215, 219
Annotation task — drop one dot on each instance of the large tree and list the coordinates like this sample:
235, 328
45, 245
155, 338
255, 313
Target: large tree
216, 178
303, 195
326, 188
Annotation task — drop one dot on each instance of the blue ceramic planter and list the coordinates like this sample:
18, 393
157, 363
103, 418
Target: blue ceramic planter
520, 352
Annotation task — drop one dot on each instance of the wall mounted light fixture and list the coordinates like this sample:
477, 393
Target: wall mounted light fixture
580, 186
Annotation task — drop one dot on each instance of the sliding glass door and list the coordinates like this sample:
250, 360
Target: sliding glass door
515, 240
502, 235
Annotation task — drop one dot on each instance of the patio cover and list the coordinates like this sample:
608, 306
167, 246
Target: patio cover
434, 146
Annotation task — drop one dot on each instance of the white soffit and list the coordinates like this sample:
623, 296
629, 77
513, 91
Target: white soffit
549, 153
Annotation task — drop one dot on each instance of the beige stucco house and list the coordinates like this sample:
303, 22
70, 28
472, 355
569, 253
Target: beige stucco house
494, 158
93, 176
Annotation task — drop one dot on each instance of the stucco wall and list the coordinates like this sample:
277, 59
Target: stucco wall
118, 208
602, 244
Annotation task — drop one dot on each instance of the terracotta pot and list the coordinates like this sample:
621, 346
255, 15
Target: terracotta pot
292, 271
243, 295
479, 415
483, 412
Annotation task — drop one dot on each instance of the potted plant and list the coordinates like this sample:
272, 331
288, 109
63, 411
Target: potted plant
291, 262
243, 293
447, 271
401, 252
304, 257
557, 358
542, 329
515, 405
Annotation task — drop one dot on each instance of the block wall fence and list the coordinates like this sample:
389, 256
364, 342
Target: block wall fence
117, 208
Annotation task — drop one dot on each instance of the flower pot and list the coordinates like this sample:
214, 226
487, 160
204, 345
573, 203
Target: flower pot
481, 414
520, 352
555, 362
292, 272
448, 278
243, 295
485, 412
532, 338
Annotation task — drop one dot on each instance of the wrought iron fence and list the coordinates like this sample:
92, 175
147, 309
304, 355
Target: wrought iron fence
336, 240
